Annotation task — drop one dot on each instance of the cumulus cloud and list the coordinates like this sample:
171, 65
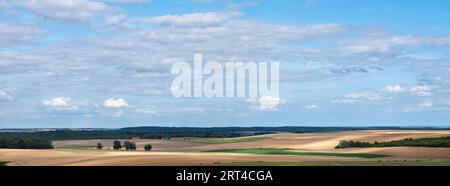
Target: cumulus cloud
57, 102
267, 103
60, 103
115, 103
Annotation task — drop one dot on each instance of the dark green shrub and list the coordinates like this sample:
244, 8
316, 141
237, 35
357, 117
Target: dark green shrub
148, 147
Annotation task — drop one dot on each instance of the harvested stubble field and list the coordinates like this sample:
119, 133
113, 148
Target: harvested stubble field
272, 149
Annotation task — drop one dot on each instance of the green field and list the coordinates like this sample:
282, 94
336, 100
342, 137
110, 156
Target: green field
347, 163
289, 152
220, 140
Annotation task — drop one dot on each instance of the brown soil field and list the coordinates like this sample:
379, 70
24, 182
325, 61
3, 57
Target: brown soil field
179, 152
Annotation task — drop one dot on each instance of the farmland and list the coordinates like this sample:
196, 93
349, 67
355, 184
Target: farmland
276, 149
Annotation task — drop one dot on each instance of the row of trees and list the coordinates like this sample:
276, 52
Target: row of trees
407, 142
128, 145
25, 143
164, 133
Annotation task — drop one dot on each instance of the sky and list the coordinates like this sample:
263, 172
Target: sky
106, 63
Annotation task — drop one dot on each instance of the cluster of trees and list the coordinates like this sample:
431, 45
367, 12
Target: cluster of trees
128, 145
407, 142
25, 143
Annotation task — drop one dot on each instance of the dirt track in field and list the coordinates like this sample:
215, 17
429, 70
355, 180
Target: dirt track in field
172, 152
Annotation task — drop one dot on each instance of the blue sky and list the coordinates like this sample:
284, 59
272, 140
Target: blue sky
106, 63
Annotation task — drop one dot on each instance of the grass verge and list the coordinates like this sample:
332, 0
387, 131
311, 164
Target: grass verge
347, 163
288, 152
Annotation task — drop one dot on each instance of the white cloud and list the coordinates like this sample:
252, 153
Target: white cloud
192, 19
146, 48
5, 96
270, 102
240, 5
66, 10
14, 34
427, 104
312, 106
420, 90
115, 103
381, 45
195, 110
266, 103
119, 20
344, 101
60, 103
393, 89
388, 44
57, 102
365, 95
357, 97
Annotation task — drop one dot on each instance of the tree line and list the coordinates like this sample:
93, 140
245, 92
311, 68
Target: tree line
407, 142
119, 134
25, 143
177, 132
